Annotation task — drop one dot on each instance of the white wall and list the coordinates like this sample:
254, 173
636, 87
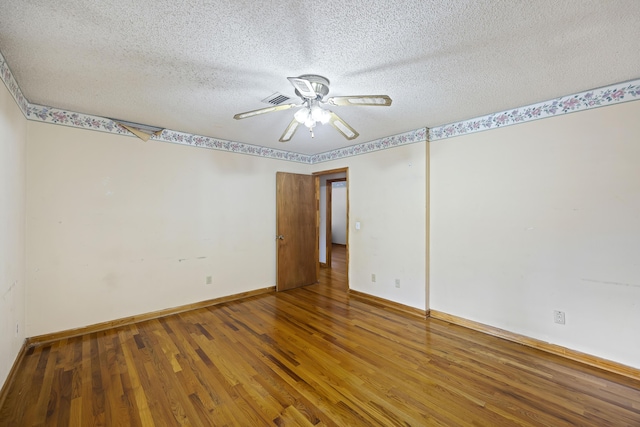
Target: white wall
538, 217
387, 195
339, 213
118, 227
13, 139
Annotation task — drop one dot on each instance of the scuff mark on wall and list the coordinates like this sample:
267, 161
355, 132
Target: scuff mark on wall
187, 259
8, 291
606, 282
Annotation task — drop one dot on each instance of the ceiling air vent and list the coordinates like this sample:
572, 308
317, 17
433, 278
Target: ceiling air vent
276, 99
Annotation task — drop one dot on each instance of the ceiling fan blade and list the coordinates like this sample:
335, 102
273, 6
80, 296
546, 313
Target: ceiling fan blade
303, 86
371, 100
289, 131
264, 111
342, 126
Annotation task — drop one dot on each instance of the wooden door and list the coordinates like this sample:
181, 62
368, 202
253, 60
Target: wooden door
296, 230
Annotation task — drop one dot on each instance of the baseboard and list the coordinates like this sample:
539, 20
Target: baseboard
392, 305
55, 336
587, 359
12, 373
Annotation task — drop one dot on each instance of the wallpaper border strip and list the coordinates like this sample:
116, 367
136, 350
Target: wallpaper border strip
417, 135
608, 95
101, 124
594, 98
12, 85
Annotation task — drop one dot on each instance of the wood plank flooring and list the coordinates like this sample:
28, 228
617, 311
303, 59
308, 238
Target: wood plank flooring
308, 356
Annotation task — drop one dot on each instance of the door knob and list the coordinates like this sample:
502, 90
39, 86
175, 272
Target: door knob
280, 237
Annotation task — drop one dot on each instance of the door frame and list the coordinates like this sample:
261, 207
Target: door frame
344, 170
328, 236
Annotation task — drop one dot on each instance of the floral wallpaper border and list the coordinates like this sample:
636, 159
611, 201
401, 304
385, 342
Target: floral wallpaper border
622, 92
231, 146
12, 85
85, 121
418, 135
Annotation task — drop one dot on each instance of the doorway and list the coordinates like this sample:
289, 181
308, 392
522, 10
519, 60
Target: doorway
301, 233
333, 233
336, 222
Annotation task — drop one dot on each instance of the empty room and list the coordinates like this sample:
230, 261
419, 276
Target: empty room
335, 213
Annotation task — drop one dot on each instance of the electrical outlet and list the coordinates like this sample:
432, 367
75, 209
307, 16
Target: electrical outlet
397, 283
209, 280
558, 317
373, 277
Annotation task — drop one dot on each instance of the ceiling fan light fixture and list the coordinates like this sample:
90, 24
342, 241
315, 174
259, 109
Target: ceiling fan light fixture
310, 122
320, 115
326, 116
312, 89
301, 115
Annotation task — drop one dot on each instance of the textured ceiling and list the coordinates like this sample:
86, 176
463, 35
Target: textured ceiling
191, 65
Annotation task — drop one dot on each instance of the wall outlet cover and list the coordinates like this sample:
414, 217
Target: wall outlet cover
558, 317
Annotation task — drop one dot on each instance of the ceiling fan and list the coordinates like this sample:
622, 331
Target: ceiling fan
312, 89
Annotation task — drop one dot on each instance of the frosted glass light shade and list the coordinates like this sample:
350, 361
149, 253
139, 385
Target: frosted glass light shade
320, 115
310, 122
302, 115
324, 118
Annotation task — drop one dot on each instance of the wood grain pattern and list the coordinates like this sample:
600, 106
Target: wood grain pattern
297, 221
12, 372
103, 326
331, 171
308, 356
588, 359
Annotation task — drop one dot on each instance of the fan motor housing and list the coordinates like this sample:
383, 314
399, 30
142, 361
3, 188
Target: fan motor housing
320, 84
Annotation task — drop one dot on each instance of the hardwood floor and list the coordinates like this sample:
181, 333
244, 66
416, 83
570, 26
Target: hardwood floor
308, 356
335, 277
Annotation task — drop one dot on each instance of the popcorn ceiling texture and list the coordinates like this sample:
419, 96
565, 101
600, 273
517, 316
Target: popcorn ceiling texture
190, 66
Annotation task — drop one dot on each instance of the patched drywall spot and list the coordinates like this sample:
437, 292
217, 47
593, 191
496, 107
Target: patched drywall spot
110, 280
106, 181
